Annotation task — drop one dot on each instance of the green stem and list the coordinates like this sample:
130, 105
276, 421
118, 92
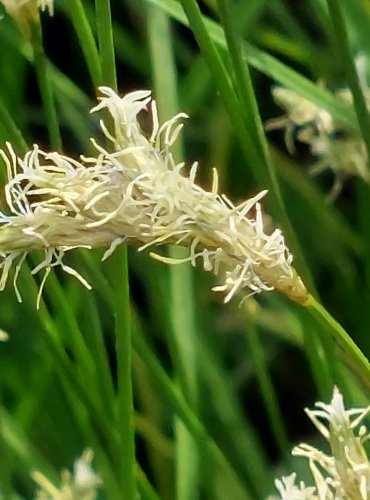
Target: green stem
181, 286
76, 11
272, 67
218, 70
93, 423
14, 134
344, 49
176, 400
255, 155
353, 355
267, 390
122, 313
244, 85
119, 270
44, 79
249, 130
145, 489
106, 45
5, 469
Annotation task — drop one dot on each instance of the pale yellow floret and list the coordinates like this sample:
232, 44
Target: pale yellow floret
137, 194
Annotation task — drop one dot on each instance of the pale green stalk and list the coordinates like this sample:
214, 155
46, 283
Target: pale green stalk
76, 10
244, 115
267, 389
181, 287
271, 67
42, 67
119, 278
12, 130
92, 422
217, 460
106, 45
6, 462
357, 361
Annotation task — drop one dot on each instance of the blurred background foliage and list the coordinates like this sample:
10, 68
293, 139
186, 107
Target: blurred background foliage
252, 377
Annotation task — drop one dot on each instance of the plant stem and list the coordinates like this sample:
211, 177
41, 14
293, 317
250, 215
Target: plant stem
251, 141
181, 286
106, 45
75, 9
15, 135
44, 79
177, 402
355, 357
267, 390
5, 469
119, 278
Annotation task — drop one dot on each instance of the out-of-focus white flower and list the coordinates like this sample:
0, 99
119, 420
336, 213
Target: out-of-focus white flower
137, 194
3, 336
346, 156
332, 145
345, 473
300, 114
25, 12
17, 8
82, 485
290, 491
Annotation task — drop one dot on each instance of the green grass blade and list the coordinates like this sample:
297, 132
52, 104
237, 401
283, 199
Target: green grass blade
42, 68
76, 11
355, 357
119, 278
343, 44
181, 286
177, 402
272, 67
266, 386
106, 46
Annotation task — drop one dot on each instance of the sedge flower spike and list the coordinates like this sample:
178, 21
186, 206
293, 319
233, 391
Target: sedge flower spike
137, 194
345, 473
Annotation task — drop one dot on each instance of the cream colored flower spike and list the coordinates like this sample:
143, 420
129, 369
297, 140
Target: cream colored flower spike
138, 195
344, 474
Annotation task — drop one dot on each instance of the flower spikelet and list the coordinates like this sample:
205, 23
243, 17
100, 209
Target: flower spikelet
137, 194
81, 485
345, 473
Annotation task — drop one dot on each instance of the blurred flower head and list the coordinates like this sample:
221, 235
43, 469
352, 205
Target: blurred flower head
344, 474
137, 194
332, 145
25, 12
81, 485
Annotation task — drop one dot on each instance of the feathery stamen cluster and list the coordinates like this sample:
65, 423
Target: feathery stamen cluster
333, 145
137, 194
343, 475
